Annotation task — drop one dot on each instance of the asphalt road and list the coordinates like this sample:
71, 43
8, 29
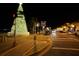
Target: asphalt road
64, 45
26, 45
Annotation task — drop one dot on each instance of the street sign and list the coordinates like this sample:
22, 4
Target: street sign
43, 23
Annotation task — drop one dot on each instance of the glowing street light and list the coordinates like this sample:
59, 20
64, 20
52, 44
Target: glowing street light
37, 25
72, 25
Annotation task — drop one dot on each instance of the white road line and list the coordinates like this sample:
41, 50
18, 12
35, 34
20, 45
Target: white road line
65, 48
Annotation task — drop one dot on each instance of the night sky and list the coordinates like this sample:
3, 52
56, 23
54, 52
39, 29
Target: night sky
6, 16
55, 14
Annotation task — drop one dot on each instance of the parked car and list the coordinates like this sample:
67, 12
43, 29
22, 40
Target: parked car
77, 33
47, 31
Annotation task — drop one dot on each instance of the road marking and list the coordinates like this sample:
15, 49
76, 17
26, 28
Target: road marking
66, 48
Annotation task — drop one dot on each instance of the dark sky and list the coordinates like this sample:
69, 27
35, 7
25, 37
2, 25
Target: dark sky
55, 14
6, 15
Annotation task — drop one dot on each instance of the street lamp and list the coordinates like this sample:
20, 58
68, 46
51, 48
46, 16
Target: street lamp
37, 27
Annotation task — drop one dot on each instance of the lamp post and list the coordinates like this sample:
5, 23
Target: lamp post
37, 27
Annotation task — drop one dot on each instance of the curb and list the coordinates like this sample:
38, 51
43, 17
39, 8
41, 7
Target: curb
6, 52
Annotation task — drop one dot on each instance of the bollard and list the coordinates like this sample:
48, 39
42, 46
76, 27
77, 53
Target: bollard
14, 42
34, 44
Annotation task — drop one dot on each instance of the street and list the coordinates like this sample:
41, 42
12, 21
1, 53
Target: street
64, 45
27, 45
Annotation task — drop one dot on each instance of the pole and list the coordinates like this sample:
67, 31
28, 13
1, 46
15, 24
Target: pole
14, 43
35, 41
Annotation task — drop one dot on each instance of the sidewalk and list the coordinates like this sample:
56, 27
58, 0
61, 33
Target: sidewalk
25, 46
5, 44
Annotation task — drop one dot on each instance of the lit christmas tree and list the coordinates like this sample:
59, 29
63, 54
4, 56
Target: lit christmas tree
19, 26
